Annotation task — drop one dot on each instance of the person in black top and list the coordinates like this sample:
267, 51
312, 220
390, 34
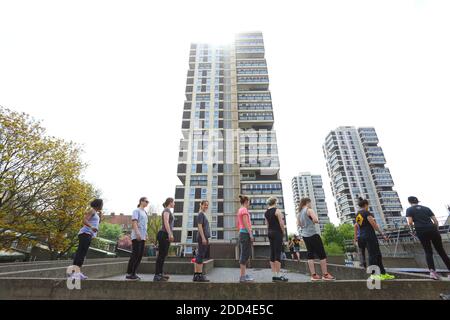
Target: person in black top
367, 227
275, 225
203, 236
426, 226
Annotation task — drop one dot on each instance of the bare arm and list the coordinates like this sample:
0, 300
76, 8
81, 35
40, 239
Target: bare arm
435, 221
313, 216
410, 221
280, 219
248, 226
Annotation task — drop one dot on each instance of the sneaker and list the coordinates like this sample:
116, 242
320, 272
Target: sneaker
376, 277
165, 276
315, 277
159, 278
284, 279
277, 279
137, 277
132, 277
434, 275
328, 277
78, 275
246, 278
387, 276
202, 278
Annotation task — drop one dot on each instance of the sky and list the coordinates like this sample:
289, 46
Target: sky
110, 75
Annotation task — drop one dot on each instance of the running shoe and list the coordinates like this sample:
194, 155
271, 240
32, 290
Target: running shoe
132, 277
434, 275
159, 278
284, 279
246, 278
277, 279
387, 276
315, 277
78, 275
376, 277
165, 276
328, 277
200, 278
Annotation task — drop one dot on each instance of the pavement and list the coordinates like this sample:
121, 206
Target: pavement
227, 275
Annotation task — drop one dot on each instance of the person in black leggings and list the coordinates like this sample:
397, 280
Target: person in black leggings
426, 226
368, 238
275, 225
164, 238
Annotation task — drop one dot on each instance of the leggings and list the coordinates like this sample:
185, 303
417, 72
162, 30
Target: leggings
163, 251
276, 245
373, 248
137, 252
433, 237
83, 247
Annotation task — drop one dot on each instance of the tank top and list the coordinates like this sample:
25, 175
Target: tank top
171, 222
272, 220
308, 229
94, 221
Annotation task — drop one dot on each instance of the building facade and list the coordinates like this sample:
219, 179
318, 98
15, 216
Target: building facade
228, 146
357, 167
306, 185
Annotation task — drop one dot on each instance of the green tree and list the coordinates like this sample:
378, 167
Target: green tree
42, 195
333, 236
333, 249
153, 226
110, 231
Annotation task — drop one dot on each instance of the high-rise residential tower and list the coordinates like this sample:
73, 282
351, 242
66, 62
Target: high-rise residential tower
356, 167
306, 185
229, 146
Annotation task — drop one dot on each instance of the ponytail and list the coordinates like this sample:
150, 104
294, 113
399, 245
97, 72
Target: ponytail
243, 199
167, 202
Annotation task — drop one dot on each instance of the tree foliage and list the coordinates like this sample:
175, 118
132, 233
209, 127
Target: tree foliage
334, 237
42, 195
154, 225
110, 231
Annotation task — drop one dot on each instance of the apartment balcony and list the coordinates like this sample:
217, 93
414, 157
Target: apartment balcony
249, 83
376, 160
251, 119
246, 52
253, 96
384, 182
251, 71
258, 222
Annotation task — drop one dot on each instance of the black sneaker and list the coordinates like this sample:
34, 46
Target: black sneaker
202, 278
284, 279
132, 277
277, 279
159, 278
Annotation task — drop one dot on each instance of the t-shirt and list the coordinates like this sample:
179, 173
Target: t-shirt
296, 243
203, 220
243, 214
421, 216
365, 228
141, 217
171, 220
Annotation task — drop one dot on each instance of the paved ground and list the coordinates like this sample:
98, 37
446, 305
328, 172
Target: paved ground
228, 275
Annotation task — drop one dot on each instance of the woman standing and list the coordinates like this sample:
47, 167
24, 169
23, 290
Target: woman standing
275, 225
203, 235
91, 222
306, 220
139, 222
164, 238
296, 247
245, 238
368, 238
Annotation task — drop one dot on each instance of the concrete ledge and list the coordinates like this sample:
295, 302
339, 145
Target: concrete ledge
109, 289
104, 269
344, 272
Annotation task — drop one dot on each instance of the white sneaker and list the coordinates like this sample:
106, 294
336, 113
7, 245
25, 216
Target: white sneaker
434, 275
83, 277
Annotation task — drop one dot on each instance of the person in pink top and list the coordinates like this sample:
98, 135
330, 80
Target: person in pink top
245, 238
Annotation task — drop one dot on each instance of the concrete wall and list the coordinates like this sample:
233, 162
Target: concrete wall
102, 269
106, 289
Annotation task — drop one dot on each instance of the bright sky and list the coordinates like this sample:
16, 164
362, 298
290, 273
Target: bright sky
111, 76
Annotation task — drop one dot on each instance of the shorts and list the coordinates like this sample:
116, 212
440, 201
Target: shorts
314, 246
245, 246
296, 249
202, 253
